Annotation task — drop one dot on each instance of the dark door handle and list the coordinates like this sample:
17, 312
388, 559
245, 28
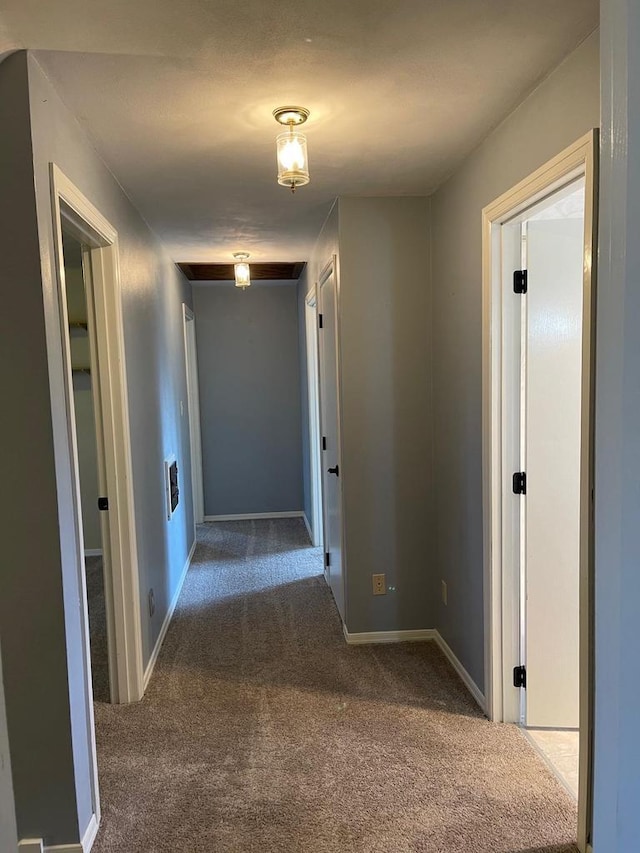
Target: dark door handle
335, 470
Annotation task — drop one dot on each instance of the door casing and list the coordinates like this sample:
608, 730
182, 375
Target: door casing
193, 411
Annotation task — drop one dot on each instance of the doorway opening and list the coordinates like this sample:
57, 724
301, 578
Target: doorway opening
315, 439
538, 463
193, 406
329, 368
547, 241
93, 362
91, 462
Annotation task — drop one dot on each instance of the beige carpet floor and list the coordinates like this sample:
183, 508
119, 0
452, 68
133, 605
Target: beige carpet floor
97, 628
263, 732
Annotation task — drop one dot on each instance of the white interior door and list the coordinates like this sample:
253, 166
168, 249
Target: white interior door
552, 430
315, 453
511, 460
330, 420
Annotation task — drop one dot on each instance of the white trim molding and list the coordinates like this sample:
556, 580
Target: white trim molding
308, 526
248, 516
90, 834
167, 619
372, 637
36, 845
462, 673
193, 410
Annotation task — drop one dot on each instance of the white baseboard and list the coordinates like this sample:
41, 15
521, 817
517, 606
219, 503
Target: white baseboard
423, 634
308, 526
370, 637
167, 620
466, 679
93, 552
90, 834
36, 845
248, 516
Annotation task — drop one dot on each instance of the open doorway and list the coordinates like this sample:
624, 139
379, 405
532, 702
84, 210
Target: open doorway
538, 463
547, 241
93, 363
91, 462
329, 369
79, 226
193, 406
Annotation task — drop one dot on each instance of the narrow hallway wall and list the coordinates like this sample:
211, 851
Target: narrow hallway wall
382, 249
42, 580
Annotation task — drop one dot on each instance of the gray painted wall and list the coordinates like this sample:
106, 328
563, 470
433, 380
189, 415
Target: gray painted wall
385, 318
617, 475
385, 339
564, 107
41, 580
249, 381
32, 620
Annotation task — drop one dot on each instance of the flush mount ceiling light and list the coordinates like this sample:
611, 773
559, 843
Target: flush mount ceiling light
241, 269
291, 147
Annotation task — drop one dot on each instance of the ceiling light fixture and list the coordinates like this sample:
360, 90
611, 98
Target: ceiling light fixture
291, 147
241, 270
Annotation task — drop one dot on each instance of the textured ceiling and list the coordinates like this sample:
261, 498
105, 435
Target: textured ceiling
177, 97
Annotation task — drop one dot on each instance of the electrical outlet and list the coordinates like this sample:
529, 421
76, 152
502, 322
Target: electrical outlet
379, 584
152, 603
444, 591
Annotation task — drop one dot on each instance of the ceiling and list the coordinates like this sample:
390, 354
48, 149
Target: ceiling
177, 97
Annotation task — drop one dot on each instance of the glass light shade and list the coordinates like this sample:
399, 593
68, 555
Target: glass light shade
293, 163
243, 274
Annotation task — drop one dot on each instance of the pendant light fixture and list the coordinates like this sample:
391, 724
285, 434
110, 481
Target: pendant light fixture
291, 147
241, 270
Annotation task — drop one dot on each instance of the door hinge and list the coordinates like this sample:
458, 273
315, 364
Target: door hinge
520, 483
320, 321
520, 281
327, 559
324, 442
519, 676
103, 504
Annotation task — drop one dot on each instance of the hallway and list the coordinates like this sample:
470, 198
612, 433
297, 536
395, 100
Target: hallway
263, 731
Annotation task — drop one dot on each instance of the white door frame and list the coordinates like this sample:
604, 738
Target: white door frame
85, 222
311, 337
501, 636
193, 410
